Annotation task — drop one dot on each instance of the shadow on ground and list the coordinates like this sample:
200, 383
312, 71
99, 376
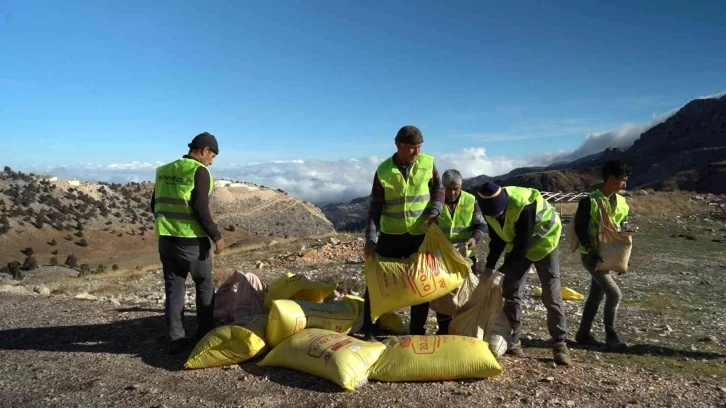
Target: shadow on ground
635, 349
143, 337
291, 378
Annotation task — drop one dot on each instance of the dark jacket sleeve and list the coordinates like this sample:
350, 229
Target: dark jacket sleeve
478, 224
437, 193
375, 209
523, 229
496, 247
200, 204
153, 201
582, 221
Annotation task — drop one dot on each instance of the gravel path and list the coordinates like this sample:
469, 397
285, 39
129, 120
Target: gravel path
63, 352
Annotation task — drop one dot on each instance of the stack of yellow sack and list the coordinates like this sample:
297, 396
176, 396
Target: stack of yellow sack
304, 334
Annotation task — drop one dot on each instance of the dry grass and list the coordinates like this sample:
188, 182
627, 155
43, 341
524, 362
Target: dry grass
281, 243
655, 203
667, 204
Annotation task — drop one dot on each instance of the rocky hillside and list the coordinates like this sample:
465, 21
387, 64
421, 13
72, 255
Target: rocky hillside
265, 212
686, 152
348, 216
49, 221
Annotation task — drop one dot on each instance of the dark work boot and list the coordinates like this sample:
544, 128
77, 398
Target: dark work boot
560, 353
584, 336
613, 341
515, 349
587, 339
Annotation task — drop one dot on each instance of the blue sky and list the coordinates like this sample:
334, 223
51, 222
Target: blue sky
101, 83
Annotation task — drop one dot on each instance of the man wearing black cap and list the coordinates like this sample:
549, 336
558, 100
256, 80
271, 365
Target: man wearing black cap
407, 193
525, 226
184, 224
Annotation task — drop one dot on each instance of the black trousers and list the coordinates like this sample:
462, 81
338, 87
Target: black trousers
398, 246
178, 261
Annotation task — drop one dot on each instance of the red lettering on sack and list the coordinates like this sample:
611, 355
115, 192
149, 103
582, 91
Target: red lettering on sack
404, 341
425, 346
317, 344
340, 344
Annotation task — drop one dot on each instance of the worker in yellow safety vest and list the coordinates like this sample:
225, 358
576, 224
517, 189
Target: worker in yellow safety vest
615, 175
462, 222
526, 227
184, 225
406, 194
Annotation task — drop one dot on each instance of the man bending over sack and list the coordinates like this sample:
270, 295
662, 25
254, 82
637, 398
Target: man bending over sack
463, 224
406, 194
525, 226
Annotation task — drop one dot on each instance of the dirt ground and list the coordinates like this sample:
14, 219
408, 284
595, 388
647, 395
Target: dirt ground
59, 351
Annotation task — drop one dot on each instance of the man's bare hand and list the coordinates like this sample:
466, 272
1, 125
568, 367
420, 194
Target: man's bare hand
470, 243
219, 246
368, 249
432, 219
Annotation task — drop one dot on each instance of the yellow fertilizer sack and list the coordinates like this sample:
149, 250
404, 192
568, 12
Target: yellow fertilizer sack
288, 317
297, 287
393, 323
230, 344
451, 302
567, 293
435, 270
435, 358
341, 359
482, 316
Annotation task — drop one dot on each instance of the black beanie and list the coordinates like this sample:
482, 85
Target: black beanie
409, 135
203, 140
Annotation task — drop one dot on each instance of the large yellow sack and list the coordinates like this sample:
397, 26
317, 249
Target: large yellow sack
435, 358
341, 359
230, 344
482, 316
288, 317
451, 302
393, 323
297, 287
435, 270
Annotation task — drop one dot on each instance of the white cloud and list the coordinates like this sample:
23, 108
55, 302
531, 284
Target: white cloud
317, 181
623, 136
473, 161
325, 181
714, 96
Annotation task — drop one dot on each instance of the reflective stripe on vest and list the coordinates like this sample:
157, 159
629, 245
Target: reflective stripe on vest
173, 214
547, 228
617, 214
457, 227
405, 201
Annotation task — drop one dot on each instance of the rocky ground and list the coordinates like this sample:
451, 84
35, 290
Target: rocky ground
106, 346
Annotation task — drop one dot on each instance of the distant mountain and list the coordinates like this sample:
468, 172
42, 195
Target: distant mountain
686, 152
349, 216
